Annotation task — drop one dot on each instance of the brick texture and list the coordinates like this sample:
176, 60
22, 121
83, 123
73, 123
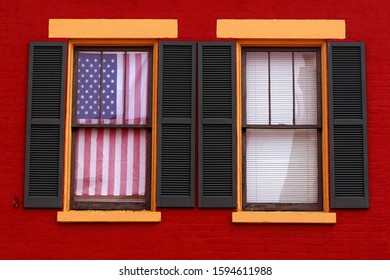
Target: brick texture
190, 233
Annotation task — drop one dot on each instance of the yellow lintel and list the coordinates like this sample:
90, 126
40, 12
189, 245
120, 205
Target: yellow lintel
280, 29
284, 217
113, 28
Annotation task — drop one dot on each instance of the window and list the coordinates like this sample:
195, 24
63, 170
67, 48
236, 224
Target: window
281, 129
111, 128
291, 117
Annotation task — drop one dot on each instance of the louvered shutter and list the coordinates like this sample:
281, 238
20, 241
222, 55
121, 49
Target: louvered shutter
217, 125
348, 129
45, 126
176, 111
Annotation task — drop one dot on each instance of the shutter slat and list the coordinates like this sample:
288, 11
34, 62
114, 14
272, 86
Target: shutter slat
176, 125
348, 130
45, 126
217, 159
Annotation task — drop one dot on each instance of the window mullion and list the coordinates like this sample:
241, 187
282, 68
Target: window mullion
101, 87
124, 88
269, 88
293, 85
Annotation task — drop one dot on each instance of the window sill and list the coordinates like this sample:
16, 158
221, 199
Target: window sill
284, 217
91, 216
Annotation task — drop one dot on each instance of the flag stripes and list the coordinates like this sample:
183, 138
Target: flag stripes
112, 89
110, 162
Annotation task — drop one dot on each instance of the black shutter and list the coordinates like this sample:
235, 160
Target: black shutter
176, 129
347, 123
45, 126
217, 125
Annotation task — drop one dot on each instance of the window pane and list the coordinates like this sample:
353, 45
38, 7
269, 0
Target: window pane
88, 87
113, 86
110, 162
281, 88
137, 75
281, 166
305, 70
257, 88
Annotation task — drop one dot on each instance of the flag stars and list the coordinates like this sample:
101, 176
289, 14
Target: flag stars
96, 86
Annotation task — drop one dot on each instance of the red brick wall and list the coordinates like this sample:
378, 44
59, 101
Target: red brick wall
191, 233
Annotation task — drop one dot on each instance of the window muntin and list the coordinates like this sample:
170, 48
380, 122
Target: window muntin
281, 129
111, 128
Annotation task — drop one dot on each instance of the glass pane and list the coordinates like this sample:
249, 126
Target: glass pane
88, 87
110, 162
281, 88
257, 88
137, 76
112, 88
305, 70
281, 166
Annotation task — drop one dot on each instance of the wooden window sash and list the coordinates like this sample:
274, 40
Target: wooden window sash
102, 203
282, 206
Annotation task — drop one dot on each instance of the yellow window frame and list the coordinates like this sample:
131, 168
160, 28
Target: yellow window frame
323, 216
68, 215
110, 32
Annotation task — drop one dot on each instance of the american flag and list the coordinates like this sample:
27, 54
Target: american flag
112, 89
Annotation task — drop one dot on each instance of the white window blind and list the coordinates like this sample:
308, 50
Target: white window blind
281, 87
281, 164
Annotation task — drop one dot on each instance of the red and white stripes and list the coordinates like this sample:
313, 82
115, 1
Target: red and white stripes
113, 161
110, 162
136, 108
